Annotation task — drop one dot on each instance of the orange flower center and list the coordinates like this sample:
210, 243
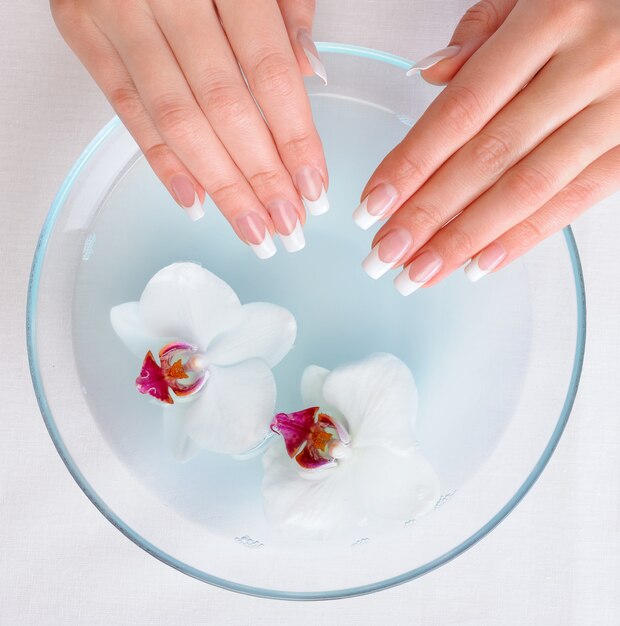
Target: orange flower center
320, 438
177, 371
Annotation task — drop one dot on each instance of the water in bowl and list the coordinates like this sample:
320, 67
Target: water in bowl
467, 345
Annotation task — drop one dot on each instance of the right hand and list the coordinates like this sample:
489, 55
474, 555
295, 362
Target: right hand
174, 72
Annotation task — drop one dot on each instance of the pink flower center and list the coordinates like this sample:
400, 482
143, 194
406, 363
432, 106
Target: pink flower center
181, 370
314, 439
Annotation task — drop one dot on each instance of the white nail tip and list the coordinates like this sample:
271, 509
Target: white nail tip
317, 65
404, 285
473, 271
318, 206
428, 62
295, 241
374, 266
363, 218
195, 212
266, 249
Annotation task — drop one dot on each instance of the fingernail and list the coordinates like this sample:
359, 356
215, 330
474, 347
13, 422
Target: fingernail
418, 272
256, 234
186, 196
386, 254
310, 185
375, 205
433, 59
287, 224
485, 261
312, 54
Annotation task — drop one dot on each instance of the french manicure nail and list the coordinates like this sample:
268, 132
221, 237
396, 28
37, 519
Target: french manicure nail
375, 205
418, 272
186, 196
433, 59
485, 261
312, 54
310, 185
257, 235
287, 224
387, 253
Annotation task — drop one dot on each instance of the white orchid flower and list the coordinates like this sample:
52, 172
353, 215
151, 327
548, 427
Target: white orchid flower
351, 456
210, 347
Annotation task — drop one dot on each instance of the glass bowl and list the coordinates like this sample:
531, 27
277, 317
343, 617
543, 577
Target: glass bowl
497, 363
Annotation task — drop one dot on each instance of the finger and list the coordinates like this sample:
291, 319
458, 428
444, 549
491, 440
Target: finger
106, 67
508, 137
458, 113
202, 50
298, 16
520, 192
596, 182
259, 40
182, 125
476, 26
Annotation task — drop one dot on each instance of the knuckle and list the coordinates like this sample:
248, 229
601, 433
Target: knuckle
410, 168
299, 144
224, 191
157, 155
459, 244
174, 117
491, 153
425, 218
483, 16
578, 194
266, 179
530, 233
225, 103
529, 185
272, 74
461, 110
126, 103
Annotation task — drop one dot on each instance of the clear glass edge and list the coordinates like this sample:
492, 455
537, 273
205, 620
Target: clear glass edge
33, 288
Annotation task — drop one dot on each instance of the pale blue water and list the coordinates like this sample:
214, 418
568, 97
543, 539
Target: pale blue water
466, 345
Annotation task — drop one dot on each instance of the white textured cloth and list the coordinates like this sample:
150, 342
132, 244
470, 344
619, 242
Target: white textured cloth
555, 560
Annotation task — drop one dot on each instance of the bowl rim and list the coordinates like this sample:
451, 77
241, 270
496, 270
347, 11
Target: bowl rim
32, 300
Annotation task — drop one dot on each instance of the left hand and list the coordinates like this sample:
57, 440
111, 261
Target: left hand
525, 137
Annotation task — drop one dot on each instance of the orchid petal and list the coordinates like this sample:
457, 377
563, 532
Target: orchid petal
189, 303
321, 505
233, 411
312, 382
265, 331
180, 444
399, 486
378, 397
127, 325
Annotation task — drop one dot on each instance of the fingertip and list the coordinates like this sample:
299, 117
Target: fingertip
442, 66
442, 73
312, 56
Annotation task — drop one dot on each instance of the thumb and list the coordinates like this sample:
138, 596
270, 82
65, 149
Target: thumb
298, 16
475, 27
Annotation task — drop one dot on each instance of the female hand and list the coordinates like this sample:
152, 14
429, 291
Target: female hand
524, 138
190, 79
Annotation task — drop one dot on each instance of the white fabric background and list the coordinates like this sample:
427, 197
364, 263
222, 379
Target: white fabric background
556, 560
